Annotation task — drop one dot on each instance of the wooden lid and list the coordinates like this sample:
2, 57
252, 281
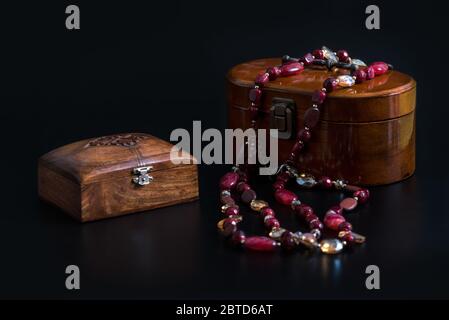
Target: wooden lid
378, 99
111, 156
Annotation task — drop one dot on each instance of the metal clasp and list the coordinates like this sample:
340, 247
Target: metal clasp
283, 117
142, 177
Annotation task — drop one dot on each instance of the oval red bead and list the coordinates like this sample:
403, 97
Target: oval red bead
243, 186
318, 96
248, 196
348, 203
237, 238
232, 211
288, 241
307, 59
254, 95
370, 74
278, 185
297, 146
336, 209
304, 135
345, 226
316, 224
291, 69
326, 182
267, 211
318, 54
360, 76
229, 180
272, 223
311, 117
332, 221
343, 55
304, 210
262, 78
273, 72
379, 67
260, 244
284, 196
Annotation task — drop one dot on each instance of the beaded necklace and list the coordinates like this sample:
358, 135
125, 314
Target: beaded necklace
235, 184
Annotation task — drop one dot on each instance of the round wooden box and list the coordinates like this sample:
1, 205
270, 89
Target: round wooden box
366, 134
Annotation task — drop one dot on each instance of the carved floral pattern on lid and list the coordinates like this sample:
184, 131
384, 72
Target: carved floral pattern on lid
121, 140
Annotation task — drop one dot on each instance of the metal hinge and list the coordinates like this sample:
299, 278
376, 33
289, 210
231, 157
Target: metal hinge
142, 177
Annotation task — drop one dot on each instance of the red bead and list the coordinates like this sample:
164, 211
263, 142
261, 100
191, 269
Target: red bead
330, 84
285, 197
370, 73
332, 221
272, 223
291, 69
311, 117
229, 221
318, 54
304, 210
254, 95
304, 135
243, 186
278, 185
229, 180
379, 67
343, 55
360, 76
262, 79
307, 59
326, 182
348, 237
316, 224
260, 244
243, 177
273, 72
248, 196
229, 229
237, 238
345, 226
362, 195
232, 211
297, 146
310, 217
267, 211
318, 96
348, 203
227, 200
288, 241
253, 111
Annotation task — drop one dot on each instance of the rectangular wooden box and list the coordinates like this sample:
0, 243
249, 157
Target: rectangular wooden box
115, 175
366, 134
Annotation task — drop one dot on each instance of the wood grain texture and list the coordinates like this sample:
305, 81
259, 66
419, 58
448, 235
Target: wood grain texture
366, 134
92, 179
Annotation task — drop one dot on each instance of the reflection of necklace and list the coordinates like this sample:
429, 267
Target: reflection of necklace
235, 184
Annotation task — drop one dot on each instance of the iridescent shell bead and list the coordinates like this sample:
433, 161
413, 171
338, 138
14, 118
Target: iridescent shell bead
331, 246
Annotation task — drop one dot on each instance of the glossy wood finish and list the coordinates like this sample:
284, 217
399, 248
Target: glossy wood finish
93, 182
367, 132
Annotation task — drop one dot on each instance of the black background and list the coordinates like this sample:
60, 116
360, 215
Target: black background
153, 67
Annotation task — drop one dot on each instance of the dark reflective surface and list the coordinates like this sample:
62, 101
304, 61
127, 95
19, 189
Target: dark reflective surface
167, 64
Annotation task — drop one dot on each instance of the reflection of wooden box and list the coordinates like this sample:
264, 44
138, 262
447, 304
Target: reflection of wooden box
115, 175
366, 133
